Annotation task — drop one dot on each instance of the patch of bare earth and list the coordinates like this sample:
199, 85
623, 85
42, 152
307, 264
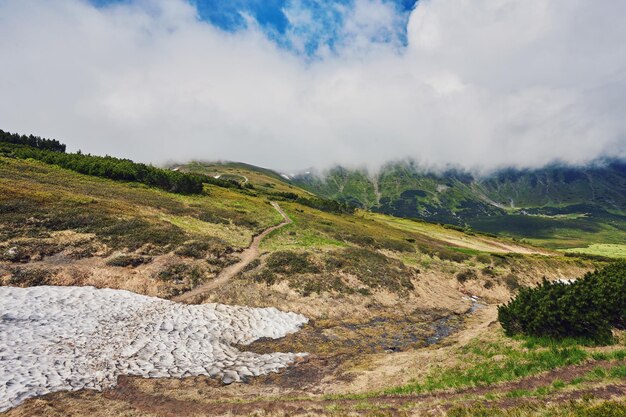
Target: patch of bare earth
358, 343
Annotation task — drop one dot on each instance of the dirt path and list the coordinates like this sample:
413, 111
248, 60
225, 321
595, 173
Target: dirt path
247, 256
160, 405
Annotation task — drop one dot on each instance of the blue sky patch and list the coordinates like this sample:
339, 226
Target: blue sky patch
326, 19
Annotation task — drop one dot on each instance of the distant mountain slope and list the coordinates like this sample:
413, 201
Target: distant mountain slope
541, 204
603, 185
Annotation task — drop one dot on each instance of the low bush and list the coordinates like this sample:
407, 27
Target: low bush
288, 262
330, 206
373, 269
179, 273
128, 260
588, 307
251, 266
443, 253
465, 275
488, 271
308, 275
265, 276
197, 250
397, 245
24, 277
512, 282
588, 256
14, 254
483, 258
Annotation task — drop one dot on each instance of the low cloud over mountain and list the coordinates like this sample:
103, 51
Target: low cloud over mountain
478, 83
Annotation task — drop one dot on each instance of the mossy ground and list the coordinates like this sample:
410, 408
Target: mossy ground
372, 284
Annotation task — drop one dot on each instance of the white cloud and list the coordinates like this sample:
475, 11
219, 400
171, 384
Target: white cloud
481, 83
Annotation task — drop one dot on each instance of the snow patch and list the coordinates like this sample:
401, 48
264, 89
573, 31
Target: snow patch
71, 338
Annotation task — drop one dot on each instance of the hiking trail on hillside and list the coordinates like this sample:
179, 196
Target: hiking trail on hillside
247, 256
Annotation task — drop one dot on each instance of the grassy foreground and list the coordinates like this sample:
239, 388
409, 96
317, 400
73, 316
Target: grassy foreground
372, 285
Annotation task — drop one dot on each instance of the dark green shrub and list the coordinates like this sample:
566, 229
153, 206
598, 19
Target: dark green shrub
488, 271
52, 152
201, 249
483, 258
32, 141
179, 273
287, 262
465, 275
512, 282
586, 308
608, 288
128, 260
24, 277
251, 266
397, 245
443, 253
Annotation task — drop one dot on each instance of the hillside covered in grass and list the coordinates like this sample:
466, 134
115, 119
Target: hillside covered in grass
557, 206
396, 306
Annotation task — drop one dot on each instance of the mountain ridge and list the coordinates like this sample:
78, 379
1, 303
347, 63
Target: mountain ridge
537, 203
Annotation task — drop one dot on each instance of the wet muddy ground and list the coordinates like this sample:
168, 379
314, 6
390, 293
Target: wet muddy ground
334, 346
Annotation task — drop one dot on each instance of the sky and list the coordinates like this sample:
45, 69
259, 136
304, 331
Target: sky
294, 84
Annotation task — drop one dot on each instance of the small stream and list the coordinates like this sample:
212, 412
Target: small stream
448, 325
379, 334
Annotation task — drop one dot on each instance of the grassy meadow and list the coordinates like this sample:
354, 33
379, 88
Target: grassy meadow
380, 292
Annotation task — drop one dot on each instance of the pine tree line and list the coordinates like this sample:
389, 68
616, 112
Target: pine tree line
30, 140
52, 152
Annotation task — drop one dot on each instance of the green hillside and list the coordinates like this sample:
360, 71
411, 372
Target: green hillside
557, 206
397, 307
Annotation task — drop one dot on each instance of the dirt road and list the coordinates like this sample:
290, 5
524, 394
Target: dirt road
247, 256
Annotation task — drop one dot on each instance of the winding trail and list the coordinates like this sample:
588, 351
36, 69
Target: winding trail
247, 256
394, 404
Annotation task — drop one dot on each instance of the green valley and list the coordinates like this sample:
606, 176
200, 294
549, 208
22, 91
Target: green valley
559, 207
385, 295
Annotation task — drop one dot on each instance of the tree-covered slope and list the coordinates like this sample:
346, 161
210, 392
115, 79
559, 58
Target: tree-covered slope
574, 205
603, 185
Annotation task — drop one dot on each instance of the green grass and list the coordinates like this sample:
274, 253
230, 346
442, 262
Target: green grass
488, 362
295, 237
598, 374
310, 272
263, 181
483, 371
37, 199
498, 359
584, 408
611, 250
534, 342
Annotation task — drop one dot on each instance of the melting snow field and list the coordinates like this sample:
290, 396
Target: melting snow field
70, 338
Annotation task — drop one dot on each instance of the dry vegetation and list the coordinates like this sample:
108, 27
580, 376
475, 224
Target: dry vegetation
389, 299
